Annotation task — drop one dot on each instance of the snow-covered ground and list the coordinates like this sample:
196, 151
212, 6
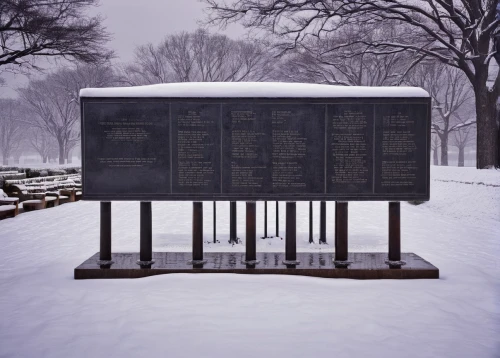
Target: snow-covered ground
45, 313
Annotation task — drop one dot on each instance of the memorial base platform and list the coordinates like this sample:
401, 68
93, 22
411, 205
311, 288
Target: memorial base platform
363, 266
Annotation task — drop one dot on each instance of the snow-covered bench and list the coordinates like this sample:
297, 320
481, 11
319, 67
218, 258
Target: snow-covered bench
19, 191
54, 178
34, 198
41, 201
9, 207
7, 211
27, 189
9, 172
34, 204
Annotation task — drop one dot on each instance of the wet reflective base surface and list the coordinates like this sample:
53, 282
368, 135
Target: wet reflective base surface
363, 266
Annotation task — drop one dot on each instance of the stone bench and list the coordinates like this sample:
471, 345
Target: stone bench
10, 201
69, 193
8, 211
51, 201
34, 204
9, 207
42, 201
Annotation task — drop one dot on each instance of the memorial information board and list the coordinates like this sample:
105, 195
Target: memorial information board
255, 149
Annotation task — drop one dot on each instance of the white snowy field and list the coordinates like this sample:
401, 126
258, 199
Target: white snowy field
46, 313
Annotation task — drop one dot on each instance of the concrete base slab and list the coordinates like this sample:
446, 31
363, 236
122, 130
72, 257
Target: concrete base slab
364, 266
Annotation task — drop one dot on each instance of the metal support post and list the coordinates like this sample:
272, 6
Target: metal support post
394, 259
311, 222
105, 237
341, 235
291, 235
322, 222
233, 238
197, 234
146, 235
251, 235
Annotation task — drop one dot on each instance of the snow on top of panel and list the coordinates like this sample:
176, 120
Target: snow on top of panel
252, 89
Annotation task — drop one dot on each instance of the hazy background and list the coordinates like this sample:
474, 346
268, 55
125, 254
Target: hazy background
133, 23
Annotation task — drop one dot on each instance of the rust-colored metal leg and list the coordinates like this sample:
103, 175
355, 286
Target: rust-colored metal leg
265, 219
311, 222
394, 259
341, 234
291, 235
146, 239
233, 236
277, 221
215, 226
251, 235
198, 235
105, 235
322, 222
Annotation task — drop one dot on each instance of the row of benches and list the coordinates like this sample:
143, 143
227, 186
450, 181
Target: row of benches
9, 206
38, 193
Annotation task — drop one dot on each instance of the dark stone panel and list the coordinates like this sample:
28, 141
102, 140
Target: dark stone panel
246, 149
273, 148
255, 149
401, 148
349, 150
126, 148
298, 148
195, 148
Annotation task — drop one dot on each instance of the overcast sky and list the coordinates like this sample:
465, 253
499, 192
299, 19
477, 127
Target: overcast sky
136, 22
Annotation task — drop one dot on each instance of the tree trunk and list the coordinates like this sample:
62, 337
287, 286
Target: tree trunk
487, 129
435, 156
5, 159
444, 149
461, 151
61, 152
69, 157
44, 159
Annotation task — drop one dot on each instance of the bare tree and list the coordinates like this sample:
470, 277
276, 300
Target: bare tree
41, 142
50, 28
198, 56
53, 154
11, 128
54, 111
177, 51
18, 152
83, 75
54, 101
435, 147
312, 60
462, 138
458, 33
71, 145
452, 96
149, 67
